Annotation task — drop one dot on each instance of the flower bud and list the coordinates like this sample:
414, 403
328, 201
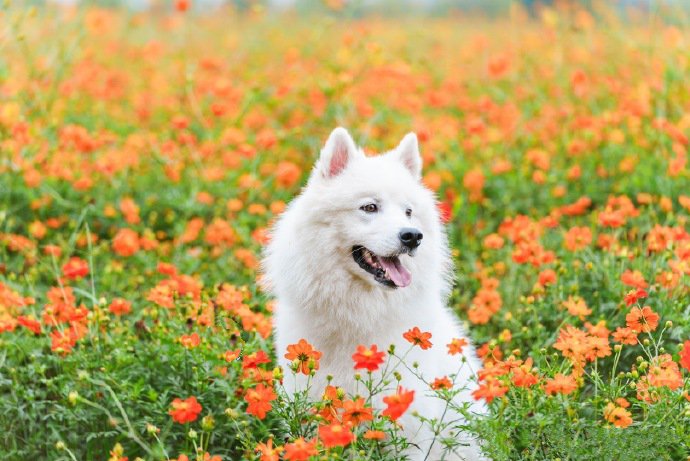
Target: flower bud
208, 423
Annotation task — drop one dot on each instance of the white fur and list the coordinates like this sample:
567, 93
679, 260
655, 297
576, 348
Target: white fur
326, 298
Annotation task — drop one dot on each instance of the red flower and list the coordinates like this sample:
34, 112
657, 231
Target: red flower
185, 411
369, 359
418, 338
633, 295
30, 323
335, 435
75, 268
398, 403
445, 210
259, 400
255, 359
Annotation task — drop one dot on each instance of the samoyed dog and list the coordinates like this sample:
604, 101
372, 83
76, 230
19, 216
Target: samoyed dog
361, 257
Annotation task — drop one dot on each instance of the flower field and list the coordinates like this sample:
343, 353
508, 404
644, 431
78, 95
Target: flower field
144, 156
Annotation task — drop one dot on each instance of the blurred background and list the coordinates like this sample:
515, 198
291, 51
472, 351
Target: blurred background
358, 7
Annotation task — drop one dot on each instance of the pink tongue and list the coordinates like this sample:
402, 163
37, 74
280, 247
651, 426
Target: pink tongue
396, 271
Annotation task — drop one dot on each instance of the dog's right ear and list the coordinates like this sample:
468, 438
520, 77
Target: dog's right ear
339, 151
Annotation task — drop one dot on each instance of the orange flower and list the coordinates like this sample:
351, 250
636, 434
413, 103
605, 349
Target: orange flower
547, 277
621, 402
231, 356
62, 342
642, 320
259, 399
625, 336
489, 390
126, 242
441, 383
162, 295
75, 268
374, 435
119, 306
268, 451
190, 341
576, 306
498, 66
577, 238
130, 210
685, 355
560, 384
369, 359
664, 372
331, 401
398, 403
300, 450
523, 376
185, 411
418, 338
493, 242
356, 412
619, 417
166, 269
52, 250
182, 5
287, 174
634, 295
335, 435
305, 355
37, 229
456, 346
580, 346
634, 279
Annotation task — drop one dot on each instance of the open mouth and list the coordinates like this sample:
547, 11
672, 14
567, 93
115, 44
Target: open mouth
386, 270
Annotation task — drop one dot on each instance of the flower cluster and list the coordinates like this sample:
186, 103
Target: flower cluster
145, 156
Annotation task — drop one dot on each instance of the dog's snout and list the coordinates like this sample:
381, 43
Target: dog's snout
410, 237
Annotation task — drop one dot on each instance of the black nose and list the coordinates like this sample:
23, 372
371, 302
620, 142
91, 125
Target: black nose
410, 237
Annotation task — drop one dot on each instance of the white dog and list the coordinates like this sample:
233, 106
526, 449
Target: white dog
360, 257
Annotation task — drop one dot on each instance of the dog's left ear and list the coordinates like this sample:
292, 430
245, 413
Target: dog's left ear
407, 152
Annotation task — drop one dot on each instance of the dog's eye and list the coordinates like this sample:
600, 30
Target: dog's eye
369, 208
408, 212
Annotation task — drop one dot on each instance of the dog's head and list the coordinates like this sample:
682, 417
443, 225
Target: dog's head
383, 225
